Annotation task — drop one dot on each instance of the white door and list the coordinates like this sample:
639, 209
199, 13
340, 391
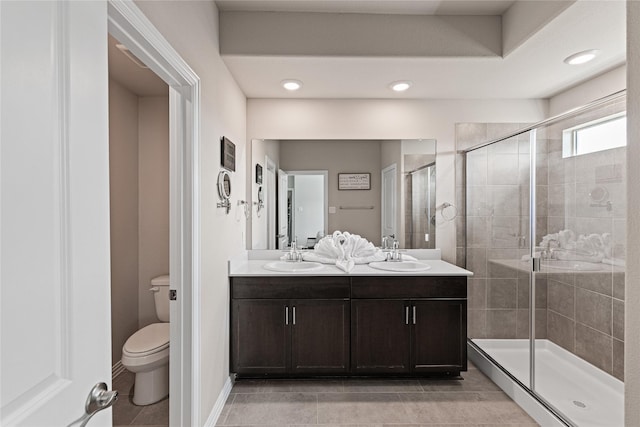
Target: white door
283, 217
389, 207
54, 198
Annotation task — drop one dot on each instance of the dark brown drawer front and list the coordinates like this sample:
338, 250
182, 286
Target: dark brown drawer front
409, 287
290, 287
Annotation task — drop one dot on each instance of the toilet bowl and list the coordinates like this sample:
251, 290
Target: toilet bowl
146, 352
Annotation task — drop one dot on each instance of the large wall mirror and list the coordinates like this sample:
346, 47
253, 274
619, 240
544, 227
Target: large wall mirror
393, 191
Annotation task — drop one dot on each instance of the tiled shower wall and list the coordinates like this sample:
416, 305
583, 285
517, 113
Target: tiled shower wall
582, 312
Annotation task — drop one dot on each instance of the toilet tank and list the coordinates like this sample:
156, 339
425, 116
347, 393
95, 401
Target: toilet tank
161, 283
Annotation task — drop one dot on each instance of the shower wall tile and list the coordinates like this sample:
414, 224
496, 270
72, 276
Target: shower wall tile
594, 347
501, 293
477, 323
477, 293
561, 298
618, 286
503, 169
505, 232
501, 324
593, 225
594, 310
508, 146
561, 200
504, 200
560, 171
477, 232
500, 271
618, 319
499, 130
561, 330
477, 168
523, 291
523, 324
566, 278
596, 282
477, 261
470, 134
618, 359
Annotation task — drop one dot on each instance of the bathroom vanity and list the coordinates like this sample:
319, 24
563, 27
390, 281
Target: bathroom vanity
331, 323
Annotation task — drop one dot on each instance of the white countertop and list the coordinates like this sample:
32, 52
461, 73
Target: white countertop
247, 266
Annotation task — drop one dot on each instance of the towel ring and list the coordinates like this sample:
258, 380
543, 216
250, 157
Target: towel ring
447, 205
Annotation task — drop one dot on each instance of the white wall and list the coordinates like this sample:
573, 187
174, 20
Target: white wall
257, 227
222, 236
582, 94
389, 119
632, 282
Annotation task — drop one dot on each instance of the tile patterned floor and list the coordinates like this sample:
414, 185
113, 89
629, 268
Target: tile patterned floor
474, 401
125, 413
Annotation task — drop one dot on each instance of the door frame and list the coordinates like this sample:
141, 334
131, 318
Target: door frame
325, 199
130, 26
271, 197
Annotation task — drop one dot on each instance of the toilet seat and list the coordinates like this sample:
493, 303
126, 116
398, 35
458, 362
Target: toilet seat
149, 340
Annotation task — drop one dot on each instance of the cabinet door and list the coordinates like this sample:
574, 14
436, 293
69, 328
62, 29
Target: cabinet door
260, 336
439, 339
320, 336
380, 336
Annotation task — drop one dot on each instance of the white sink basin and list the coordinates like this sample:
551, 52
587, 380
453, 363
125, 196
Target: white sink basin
571, 265
402, 266
292, 267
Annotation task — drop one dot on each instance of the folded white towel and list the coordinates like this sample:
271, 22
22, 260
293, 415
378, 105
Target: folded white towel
346, 266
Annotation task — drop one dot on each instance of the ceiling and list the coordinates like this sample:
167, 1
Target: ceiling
532, 67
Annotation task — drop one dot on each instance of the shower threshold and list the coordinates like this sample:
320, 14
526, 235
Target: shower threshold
582, 393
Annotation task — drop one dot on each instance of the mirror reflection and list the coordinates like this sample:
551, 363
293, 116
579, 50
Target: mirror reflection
387, 188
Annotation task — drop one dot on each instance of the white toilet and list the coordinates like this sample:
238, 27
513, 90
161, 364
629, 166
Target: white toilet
146, 353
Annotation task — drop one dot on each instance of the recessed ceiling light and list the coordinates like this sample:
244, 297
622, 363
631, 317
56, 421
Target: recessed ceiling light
291, 84
400, 86
582, 57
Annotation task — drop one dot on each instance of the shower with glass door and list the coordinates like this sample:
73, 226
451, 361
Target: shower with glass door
545, 238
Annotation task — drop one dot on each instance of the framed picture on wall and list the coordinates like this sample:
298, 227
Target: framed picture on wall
258, 174
227, 154
354, 181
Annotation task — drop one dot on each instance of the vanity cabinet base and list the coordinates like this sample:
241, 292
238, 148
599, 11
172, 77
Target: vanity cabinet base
287, 327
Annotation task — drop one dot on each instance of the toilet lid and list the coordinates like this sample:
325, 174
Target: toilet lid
151, 338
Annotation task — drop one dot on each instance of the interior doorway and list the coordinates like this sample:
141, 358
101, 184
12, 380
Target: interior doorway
130, 27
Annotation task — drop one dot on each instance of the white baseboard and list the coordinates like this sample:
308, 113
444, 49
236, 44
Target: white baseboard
117, 369
222, 399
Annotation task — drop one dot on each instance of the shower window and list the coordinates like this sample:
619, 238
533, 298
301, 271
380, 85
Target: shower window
598, 135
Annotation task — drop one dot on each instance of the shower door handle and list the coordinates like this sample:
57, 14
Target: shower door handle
535, 265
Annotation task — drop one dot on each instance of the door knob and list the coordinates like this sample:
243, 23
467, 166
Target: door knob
99, 398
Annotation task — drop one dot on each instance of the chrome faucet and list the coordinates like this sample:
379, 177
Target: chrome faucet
394, 255
385, 241
294, 254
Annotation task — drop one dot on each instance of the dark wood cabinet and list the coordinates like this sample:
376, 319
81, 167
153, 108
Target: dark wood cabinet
380, 336
307, 335
439, 336
260, 336
320, 337
380, 325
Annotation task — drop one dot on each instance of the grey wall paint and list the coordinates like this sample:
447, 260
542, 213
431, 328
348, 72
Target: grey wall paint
341, 156
153, 201
123, 181
139, 180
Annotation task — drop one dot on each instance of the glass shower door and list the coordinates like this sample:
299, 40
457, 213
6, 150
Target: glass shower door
498, 252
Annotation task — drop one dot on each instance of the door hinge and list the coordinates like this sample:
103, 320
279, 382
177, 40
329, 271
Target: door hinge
173, 294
